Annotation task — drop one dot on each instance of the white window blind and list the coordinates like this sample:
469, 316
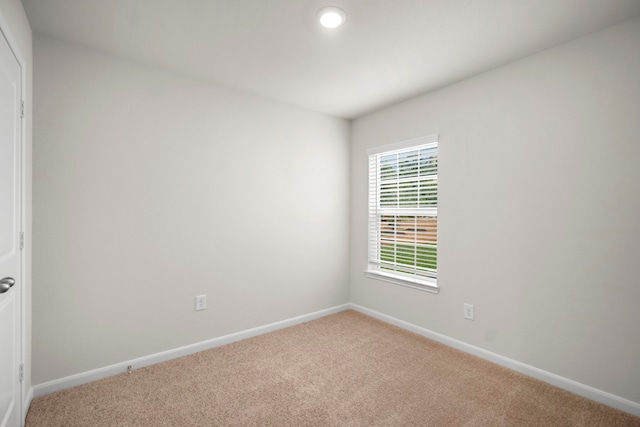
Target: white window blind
403, 213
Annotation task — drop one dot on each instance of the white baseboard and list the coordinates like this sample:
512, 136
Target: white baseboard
553, 379
118, 368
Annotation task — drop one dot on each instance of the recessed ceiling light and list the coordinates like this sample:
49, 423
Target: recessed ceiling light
331, 16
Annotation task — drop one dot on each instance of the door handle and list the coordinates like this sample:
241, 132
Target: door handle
6, 284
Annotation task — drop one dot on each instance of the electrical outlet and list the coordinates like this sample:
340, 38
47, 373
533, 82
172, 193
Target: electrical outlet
201, 302
468, 311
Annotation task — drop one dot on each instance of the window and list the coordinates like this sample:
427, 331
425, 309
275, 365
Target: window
403, 213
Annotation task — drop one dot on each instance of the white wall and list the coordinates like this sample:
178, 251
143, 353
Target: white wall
13, 16
151, 188
539, 210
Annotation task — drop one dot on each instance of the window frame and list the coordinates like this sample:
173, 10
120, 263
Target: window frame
415, 277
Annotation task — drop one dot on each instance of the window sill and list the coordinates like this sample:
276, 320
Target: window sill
427, 285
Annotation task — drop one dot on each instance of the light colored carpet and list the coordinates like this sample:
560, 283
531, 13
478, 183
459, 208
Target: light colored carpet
342, 370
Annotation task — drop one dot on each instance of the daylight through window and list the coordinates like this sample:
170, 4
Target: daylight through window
403, 213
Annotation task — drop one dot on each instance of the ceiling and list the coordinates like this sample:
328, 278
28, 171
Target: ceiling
387, 50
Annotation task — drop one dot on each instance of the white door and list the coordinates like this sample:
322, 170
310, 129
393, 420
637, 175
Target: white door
10, 256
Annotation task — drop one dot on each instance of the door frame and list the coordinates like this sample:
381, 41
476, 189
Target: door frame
25, 392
